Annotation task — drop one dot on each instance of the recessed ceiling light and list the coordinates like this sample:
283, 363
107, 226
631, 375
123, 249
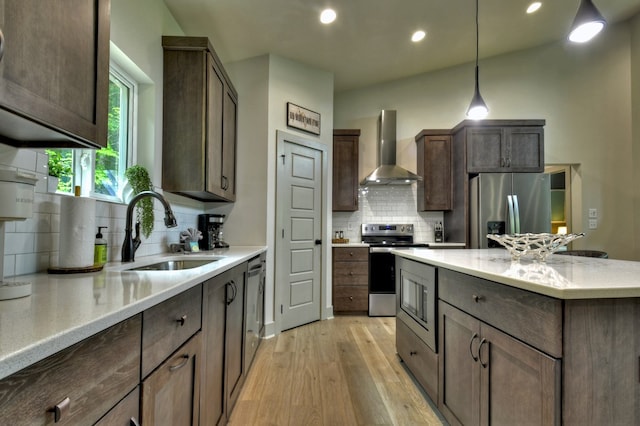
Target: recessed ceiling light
418, 35
533, 7
328, 16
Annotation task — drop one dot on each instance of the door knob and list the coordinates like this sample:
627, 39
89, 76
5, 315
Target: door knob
318, 242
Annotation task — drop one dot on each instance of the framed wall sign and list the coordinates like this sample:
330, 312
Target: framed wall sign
303, 119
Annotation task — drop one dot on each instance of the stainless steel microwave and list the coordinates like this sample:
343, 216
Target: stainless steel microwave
417, 299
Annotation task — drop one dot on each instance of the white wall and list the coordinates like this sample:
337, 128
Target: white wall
265, 84
583, 92
635, 143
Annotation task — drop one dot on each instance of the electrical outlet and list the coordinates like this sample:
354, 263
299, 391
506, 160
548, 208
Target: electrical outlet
593, 213
349, 226
593, 223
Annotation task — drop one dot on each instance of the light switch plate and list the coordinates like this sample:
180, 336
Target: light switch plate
593, 223
593, 213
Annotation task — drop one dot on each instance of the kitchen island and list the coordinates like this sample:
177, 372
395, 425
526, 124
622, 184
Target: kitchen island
525, 342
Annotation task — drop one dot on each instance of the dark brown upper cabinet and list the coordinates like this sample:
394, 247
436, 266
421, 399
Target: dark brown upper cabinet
345, 169
200, 110
498, 146
435, 191
54, 74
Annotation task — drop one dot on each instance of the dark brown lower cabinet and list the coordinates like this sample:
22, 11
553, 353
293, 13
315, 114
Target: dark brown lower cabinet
488, 377
82, 382
171, 394
126, 413
224, 369
419, 358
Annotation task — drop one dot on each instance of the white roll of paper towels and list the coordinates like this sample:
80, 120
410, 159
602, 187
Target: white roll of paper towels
77, 232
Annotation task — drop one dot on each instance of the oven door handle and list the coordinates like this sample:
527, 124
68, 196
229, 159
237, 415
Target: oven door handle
380, 249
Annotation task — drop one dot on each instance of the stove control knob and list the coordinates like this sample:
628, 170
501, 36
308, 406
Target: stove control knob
402, 228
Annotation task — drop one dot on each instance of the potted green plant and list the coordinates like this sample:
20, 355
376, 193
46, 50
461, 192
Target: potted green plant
139, 180
59, 166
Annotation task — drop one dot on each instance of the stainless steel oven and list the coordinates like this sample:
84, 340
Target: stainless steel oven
382, 238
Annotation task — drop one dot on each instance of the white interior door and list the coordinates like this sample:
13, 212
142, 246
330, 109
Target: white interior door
299, 229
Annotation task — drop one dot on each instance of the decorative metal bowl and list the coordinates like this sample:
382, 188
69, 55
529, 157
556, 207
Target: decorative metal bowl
538, 245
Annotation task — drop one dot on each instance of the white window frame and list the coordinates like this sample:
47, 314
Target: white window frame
88, 182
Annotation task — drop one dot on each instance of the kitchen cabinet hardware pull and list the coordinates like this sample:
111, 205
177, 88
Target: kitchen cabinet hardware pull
234, 293
133, 422
412, 353
351, 253
1, 45
182, 320
474, 337
350, 297
60, 409
476, 298
482, 342
185, 359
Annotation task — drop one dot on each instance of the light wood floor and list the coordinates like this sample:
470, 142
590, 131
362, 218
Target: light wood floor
343, 371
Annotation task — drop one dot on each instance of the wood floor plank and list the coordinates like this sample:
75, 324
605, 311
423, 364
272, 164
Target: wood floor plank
343, 371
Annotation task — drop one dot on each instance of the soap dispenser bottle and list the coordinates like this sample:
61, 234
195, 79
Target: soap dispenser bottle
100, 249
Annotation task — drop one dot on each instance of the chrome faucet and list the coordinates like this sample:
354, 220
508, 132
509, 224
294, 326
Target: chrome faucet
130, 245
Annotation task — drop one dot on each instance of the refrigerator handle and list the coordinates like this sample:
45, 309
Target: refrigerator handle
516, 213
512, 221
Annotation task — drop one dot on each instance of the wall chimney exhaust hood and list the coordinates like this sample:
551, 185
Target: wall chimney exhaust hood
387, 172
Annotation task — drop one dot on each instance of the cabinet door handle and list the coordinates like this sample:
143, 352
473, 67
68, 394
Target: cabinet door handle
1, 45
477, 298
474, 337
225, 183
412, 353
509, 162
182, 320
185, 359
482, 342
60, 409
234, 292
133, 422
350, 297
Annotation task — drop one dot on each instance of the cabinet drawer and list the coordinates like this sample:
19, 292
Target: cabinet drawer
350, 298
351, 254
93, 374
419, 358
125, 412
351, 273
530, 317
168, 325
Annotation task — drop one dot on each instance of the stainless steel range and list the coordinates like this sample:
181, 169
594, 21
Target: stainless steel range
382, 238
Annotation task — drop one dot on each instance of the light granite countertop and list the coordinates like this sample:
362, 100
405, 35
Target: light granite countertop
65, 309
561, 276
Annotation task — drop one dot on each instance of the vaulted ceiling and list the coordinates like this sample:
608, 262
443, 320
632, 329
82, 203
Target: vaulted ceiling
369, 43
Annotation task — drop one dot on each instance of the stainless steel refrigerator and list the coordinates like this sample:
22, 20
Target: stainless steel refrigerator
508, 203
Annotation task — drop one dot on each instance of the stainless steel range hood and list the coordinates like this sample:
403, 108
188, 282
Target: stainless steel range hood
387, 172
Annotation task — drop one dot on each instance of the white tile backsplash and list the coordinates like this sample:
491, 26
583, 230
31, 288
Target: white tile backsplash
32, 245
387, 204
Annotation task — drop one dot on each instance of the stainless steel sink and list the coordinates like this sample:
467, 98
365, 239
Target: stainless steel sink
173, 265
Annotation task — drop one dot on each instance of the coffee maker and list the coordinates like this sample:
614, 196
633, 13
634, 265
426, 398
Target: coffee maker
211, 227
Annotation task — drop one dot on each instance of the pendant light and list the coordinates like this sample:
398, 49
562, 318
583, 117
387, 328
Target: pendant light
477, 109
587, 24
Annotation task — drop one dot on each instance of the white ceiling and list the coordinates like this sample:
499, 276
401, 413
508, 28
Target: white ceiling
370, 41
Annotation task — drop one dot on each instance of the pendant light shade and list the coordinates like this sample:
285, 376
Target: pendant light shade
587, 24
478, 108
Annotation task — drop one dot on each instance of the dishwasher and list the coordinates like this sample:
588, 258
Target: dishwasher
254, 308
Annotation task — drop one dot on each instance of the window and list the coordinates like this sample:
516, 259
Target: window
101, 172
